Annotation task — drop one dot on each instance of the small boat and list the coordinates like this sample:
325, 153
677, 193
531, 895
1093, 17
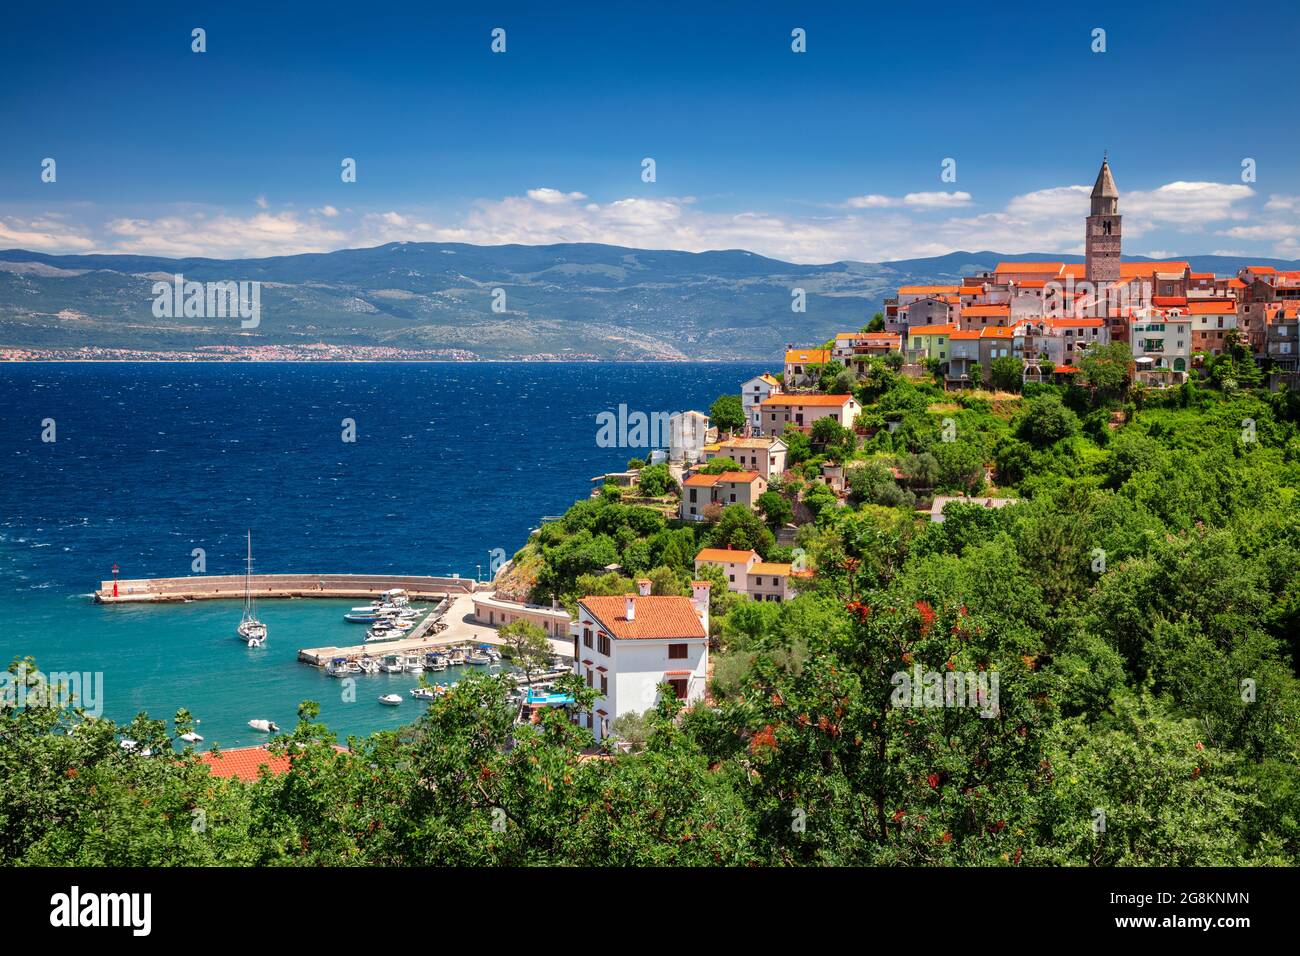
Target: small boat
423, 693
476, 657
391, 700
250, 630
382, 632
392, 664
456, 659
368, 665
435, 662
265, 726
413, 664
342, 667
192, 738
361, 616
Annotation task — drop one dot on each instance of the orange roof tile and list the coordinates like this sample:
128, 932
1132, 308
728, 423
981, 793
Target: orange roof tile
1047, 268
725, 555
772, 567
962, 334
701, 481
807, 356
738, 477
927, 289
987, 310
998, 332
819, 401
655, 616
244, 762
932, 330
1261, 270
1212, 307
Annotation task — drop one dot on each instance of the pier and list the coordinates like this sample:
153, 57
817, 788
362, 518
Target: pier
231, 586
461, 628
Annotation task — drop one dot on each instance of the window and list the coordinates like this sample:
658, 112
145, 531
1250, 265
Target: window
676, 651
678, 685
602, 643
758, 582
588, 676
604, 685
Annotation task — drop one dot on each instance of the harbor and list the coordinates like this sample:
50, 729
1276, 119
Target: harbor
461, 628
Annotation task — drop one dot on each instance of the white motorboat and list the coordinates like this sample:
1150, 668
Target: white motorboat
250, 630
413, 664
392, 664
382, 632
435, 662
423, 693
192, 738
368, 665
477, 657
265, 726
391, 700
342, 667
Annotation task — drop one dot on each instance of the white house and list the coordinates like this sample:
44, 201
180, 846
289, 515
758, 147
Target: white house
752, 394
626, 646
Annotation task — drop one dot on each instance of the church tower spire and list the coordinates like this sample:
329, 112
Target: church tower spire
1102, 233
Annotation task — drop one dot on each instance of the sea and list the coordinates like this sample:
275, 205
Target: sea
140, 464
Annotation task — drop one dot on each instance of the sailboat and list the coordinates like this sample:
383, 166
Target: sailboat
251, 631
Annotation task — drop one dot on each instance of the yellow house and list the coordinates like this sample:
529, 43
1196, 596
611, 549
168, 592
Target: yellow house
929, 341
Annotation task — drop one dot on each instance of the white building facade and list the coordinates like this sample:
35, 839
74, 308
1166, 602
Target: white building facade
626, 646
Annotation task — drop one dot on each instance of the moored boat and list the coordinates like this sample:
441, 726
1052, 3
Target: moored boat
250, 630
391, 700
265, 726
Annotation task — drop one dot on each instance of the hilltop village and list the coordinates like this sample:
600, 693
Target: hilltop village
736, 509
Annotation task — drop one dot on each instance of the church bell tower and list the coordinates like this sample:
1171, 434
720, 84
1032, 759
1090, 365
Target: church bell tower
1102, 239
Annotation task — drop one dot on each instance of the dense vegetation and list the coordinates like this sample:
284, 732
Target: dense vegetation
1140, 606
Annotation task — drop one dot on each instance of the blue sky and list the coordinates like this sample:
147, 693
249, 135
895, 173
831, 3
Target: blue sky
829, 154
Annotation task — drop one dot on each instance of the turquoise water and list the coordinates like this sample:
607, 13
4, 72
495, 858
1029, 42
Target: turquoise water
153, 460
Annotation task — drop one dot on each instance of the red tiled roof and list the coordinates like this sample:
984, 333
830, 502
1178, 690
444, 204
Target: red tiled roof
243, 762
927, 289
772, 567
808, 356
946, 329
1048, 268
997, 332
986, 310
677, 673
738, 477
1222, 307
826, 401
726, 555
656, 616
701, 481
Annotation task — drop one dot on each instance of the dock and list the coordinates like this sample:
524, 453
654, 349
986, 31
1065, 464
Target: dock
266, 586
462, 628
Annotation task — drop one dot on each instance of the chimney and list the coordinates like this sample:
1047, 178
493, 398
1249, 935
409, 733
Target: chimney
700, 600
630, 613
643, 587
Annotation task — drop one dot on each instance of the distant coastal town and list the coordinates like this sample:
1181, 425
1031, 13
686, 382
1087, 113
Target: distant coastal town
314, 352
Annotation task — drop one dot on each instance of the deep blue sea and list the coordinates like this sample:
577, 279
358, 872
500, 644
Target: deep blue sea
153, 460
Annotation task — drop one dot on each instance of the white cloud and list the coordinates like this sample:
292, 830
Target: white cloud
1187, 203
224, 236
870, 227
936, 200
261, 202
43, 234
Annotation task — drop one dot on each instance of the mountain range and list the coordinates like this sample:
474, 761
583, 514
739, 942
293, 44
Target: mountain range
587, 300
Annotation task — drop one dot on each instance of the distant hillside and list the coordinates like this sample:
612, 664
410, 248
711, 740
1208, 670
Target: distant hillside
611, 301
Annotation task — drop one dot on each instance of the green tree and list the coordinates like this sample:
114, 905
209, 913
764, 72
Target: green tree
1006, 373
529, 647
727, 413
656, 481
